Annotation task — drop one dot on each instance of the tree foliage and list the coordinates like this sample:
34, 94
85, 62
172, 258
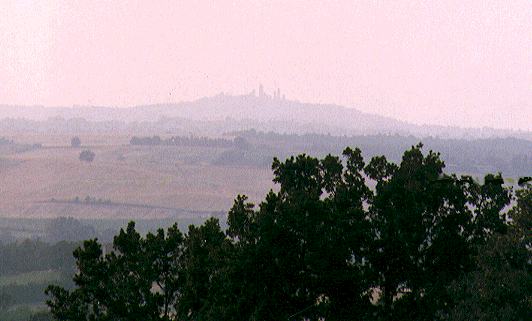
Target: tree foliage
499, 287
75, 142
340, 239
87, 156
136, 281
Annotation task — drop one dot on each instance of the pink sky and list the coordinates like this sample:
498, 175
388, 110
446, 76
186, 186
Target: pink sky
466, 63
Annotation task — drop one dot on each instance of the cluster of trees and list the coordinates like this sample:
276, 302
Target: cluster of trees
190, 141
420, 245
67, 229
36, 255
9, 145
243, 157
511, 156
88, 199
32, 256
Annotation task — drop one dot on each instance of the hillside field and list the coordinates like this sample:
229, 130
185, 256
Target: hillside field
136, 181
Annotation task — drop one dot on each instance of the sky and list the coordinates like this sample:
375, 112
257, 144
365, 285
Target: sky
461, 63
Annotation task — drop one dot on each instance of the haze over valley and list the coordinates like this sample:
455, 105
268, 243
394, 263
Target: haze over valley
301, 160
157, 178
223, 113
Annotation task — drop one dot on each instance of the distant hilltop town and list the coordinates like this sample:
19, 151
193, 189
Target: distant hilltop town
262, 94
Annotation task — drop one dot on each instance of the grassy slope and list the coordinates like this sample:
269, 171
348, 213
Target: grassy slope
175, 177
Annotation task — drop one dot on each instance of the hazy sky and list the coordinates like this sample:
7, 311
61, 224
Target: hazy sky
466, 63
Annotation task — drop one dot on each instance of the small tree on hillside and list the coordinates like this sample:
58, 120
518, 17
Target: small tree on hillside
75, 142
87, 156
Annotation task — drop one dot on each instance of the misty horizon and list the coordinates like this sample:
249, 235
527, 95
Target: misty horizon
267, 95
442, 63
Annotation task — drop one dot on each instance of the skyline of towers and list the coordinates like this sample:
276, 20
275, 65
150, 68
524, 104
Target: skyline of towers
262, 94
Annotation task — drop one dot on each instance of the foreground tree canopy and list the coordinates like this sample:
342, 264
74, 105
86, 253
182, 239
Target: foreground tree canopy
339, 240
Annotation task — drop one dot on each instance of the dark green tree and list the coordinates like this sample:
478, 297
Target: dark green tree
500, 287
323, 246
138, 280
426, 225
203, 281
307, 241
